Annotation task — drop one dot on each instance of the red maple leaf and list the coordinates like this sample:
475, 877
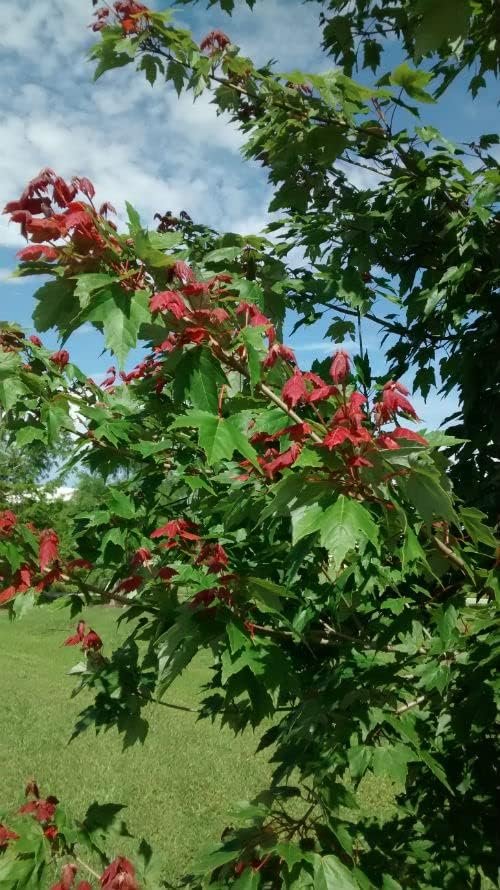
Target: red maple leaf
283, 460
91, 640
182, 271
214, 556
338, 436
62, 192
119, 875
294, 390
393, 402
402, 433
254, 317
320, 393
60, 358
297, 432
129, 584
214, 41
7, 594
276, 351
339, 369
42, 810
8, 520
77, 638
170, 301
44, 229
36, 251
49, 548
68, 874
181, 528
385, 441
142, 555
166, 573
6, 835
84, 185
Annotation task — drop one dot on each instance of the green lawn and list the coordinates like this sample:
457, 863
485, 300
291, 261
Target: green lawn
177, 788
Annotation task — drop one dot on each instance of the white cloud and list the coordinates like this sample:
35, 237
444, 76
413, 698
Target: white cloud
322, 346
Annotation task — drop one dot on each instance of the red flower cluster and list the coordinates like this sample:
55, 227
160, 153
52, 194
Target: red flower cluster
21, 582
49, 564
37, 252
7, 522
175, 530
49, 548
276, 351
194, 320
213, 556
347, 423
340, 367
88, 639
142, 555
296, 390
392, 402
6, 835
42, 809
47, 211
214, 42
60, 358
119, 875
133, 17
68, 875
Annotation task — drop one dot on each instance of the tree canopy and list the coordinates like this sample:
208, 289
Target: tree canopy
334, 558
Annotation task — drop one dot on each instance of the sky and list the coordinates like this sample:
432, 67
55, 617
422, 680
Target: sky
145, 145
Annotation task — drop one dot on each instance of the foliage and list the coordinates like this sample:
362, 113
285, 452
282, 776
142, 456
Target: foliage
287, 521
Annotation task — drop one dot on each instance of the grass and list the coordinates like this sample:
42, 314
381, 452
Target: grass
177, 788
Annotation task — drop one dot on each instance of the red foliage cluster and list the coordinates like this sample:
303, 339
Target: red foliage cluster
7, 522
43, 809
142, 555
21, 582
119, 875
49, 548
176, 530
88, 639
49, 567
214, 42
6, 835
68, 874
36, 211
60, 358
393, 401
131, 16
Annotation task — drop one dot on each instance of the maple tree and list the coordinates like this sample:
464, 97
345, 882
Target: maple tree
297, 524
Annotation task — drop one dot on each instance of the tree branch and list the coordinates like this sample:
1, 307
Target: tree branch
448, 553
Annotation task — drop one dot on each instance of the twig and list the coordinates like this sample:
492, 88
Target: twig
264, 388
88, 868
449, 554
412, 704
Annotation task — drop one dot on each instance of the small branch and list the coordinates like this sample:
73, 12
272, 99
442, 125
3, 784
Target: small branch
448, 553
88, 868
402, 709
267, 391
108, 595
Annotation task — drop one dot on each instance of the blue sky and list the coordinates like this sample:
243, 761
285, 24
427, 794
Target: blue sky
146, 146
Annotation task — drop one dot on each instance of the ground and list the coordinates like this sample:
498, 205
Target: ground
177, 788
